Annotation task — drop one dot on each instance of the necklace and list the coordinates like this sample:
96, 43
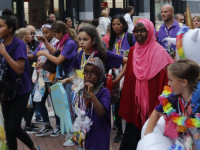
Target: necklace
182, 121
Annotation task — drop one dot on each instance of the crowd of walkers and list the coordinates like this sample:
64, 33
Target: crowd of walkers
140, 61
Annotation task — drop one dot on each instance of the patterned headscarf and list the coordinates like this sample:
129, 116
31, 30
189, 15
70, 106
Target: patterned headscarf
97, 62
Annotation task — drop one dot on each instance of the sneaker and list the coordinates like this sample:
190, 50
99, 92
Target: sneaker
38, 121
56, 132
45, 131
69, 143
38, 148
118, 138
33, 126
30, 130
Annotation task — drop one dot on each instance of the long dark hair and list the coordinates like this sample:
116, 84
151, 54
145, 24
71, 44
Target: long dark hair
59, 26
10, 19
113, 35
98, 45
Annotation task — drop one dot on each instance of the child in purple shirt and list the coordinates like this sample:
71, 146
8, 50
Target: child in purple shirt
94, 102
91, 46
68, 45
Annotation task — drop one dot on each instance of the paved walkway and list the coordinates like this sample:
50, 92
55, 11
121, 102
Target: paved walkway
56, 143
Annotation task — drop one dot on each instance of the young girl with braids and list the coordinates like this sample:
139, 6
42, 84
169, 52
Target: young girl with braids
94, 101
185, 100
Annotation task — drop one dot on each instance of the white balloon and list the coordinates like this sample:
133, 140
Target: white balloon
159, 128
154, 141
190, 44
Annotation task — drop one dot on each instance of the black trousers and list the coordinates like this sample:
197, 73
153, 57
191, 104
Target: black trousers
13, 112
118, 118
131, 137
28, 115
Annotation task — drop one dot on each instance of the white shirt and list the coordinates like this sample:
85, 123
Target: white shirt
103, 23
127, 17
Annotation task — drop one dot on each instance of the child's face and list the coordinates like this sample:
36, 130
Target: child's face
85, 41
47, 34
176, 85
90, 75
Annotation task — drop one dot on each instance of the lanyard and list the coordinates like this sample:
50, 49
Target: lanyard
83, 59
118, 44
168, 35
186, 105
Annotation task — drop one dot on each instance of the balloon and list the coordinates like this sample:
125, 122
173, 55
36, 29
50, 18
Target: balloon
159, 128
154, 141
187, 43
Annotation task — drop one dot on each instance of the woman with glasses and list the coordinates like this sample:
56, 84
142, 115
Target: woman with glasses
145, 77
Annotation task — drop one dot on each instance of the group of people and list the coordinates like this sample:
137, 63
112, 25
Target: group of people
139, 59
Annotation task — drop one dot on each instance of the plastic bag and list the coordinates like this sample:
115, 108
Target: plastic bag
34, 75
37, 96
41, 83
49, 101
30, 103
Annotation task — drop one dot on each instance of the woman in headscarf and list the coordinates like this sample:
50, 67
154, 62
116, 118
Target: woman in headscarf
144, 80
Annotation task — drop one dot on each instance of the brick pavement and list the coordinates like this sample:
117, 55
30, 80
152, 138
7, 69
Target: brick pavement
56, 143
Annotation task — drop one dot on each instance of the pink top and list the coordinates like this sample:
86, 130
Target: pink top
106, 39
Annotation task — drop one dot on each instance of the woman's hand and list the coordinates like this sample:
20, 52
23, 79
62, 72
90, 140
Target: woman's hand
2, 49
114, 83
41, 38
89, 88
40, 53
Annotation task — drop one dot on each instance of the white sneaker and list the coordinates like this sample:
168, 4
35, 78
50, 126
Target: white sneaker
69, 143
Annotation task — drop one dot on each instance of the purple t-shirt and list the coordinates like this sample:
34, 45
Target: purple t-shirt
125, 45
113, 60
173, 99
69, 51
165, 32
98, 138
20, 51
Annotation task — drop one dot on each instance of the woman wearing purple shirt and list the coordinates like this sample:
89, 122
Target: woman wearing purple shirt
13, 110
120, 43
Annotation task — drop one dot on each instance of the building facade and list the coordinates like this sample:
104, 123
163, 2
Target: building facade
35, 12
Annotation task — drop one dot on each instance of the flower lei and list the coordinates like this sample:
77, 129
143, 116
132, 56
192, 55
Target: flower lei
182, 121
118, 43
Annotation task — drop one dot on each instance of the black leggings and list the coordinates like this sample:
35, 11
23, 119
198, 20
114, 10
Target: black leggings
118, 118
13, 112
28, 115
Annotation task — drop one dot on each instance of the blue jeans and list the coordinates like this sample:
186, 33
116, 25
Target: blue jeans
37, 113
42, 107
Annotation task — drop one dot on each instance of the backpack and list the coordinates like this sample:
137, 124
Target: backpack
130, 39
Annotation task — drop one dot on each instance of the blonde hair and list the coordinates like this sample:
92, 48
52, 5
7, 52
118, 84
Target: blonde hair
21, 32
198, 18
104, 13
186, 69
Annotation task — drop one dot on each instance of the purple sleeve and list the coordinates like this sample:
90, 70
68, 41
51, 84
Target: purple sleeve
104, 98
159, 108
20, 52
36, 50
77, 60
113, 60
69, 50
